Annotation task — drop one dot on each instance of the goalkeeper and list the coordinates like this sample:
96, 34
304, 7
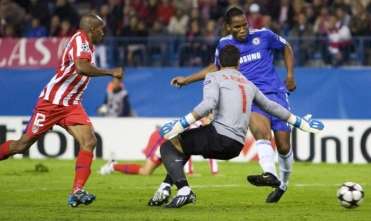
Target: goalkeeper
229, 95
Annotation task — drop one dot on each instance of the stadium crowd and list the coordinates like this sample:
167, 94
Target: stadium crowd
324, 27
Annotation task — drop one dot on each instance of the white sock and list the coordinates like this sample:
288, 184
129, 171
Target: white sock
163, 185
185, 190
285, 162
266, 156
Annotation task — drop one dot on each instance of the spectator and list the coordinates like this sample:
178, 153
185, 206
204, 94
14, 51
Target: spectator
317, 6
157, 44
12, 16
36, 30
165, 10
319, 27
367, 44
141, 8
359, 25
211, 32
193, 53
276, 15
178, 23
255, 18
303, 32
339, 41
66, 11
195, 15
210, 37
209, 10
113, 17
309, 12
343, 15
152, 12
116, 102
135, 49
37, 6
55, 26
285, 18
66, 29
341, 4
104, 12
320, 32
9, 31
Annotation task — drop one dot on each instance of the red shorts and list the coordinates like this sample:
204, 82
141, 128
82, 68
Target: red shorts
45, 115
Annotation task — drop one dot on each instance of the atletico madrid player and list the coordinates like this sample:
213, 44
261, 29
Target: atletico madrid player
60, 103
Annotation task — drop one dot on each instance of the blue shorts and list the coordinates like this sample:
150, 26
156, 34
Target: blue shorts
276, 123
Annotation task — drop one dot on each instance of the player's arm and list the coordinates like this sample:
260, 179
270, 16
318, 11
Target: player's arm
209, 102
306, 124
279, 43
200, 75
288, 57
84, 67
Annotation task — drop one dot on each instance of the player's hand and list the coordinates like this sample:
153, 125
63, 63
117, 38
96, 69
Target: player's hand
290, 83
171, 129
306, 123
178, 81
117, 72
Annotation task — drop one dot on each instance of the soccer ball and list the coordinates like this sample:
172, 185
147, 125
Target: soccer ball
350, 195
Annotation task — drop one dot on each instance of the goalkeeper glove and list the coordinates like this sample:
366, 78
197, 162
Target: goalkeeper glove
173, 128
306, 123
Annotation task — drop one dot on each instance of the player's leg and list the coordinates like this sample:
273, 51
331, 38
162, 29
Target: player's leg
129, 168
282, 133
174, 159
44, 116
163, 192
84, 134
152, 162
125, 168
11, 147
285, 160
260, 127
149, 167
213, 165
188, 167
108, 167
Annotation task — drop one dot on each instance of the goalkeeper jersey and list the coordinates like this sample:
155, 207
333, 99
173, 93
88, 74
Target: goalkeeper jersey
229, 95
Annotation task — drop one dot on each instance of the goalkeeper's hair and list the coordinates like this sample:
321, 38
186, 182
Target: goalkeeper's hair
229, 56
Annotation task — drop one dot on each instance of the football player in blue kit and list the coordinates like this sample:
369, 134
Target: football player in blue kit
256, 63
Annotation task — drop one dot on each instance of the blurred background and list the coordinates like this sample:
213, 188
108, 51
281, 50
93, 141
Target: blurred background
155, 40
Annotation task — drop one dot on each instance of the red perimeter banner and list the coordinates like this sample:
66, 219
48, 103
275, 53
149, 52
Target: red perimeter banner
31, 52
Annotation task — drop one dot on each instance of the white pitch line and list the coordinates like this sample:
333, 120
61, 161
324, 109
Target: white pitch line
213, 186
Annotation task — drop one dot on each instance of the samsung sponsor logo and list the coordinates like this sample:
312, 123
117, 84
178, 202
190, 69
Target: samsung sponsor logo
250, 57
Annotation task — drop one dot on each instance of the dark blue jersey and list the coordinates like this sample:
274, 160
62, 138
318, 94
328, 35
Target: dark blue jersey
256, 58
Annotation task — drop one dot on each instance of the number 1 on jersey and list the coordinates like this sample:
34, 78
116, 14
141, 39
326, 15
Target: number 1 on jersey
244, 98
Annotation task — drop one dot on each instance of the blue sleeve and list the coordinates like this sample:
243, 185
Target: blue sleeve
216, 56
275, 40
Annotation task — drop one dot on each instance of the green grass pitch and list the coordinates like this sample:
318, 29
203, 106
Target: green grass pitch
29, 195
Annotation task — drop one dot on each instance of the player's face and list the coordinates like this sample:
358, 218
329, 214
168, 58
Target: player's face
239, 27
98, 34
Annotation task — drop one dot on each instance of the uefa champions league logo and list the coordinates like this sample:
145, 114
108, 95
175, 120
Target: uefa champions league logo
84, 47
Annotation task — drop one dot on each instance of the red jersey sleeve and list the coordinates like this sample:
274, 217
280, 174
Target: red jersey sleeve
81, 49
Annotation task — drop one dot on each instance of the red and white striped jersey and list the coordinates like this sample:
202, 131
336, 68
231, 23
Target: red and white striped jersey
67, 86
